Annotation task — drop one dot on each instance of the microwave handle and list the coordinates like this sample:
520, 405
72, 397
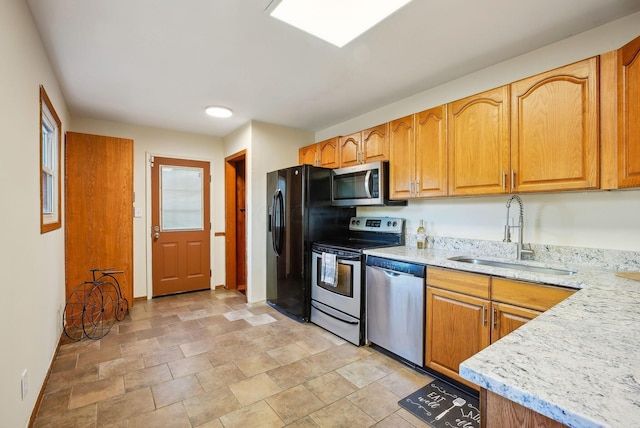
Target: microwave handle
367, 186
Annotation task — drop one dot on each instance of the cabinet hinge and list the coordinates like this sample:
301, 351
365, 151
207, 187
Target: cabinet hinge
151, 159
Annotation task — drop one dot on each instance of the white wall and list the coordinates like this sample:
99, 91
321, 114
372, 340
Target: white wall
269, 147
162, 142
31, 264
597, 219
582, 219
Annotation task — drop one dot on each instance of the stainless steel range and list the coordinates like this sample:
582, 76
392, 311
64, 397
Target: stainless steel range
337, 275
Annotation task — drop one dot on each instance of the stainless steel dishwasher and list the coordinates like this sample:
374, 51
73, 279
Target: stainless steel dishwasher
395, 307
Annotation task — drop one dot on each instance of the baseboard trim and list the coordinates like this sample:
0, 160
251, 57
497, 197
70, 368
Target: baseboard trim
36, 406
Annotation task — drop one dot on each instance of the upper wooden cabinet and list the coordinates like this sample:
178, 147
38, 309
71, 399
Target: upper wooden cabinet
402, 162
620, 115
538, 134
324, 153
554, 130
328, 153
365, 146
417, 155
431, 152
308, 154
478, 141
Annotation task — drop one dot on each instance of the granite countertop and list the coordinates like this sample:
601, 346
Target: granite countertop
578, 363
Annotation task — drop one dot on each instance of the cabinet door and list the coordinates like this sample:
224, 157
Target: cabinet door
456, 328
629, 115
350, 150
431, 152
554, 129
402, 165
307, 154
328, 153
375, 144
478, 143
506, 318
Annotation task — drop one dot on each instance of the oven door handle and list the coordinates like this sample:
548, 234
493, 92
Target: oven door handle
341, 258
334, 317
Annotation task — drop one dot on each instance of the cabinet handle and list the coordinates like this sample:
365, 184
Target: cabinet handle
411, 188
484, 315
494, 318
417, 190
513, 179
504, 180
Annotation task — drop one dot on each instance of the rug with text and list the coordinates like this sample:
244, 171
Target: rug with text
442, 405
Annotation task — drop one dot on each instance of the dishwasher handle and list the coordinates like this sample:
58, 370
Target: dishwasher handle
387, 272
396, 267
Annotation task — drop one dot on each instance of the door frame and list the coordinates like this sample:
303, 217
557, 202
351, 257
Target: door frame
148, 212
231, 239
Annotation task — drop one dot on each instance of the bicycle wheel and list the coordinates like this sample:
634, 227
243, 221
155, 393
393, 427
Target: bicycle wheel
100, 312
74, 310
122, 309
122, 304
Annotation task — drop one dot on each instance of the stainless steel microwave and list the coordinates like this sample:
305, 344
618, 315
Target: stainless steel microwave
366, 184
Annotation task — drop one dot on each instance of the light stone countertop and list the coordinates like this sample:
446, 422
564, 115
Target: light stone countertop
579, 362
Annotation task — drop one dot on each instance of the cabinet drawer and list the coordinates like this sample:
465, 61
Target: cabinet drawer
529, 295
462, 282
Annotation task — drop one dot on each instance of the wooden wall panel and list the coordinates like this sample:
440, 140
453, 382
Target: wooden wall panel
98, 208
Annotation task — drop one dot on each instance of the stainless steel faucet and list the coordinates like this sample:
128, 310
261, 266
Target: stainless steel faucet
520, 250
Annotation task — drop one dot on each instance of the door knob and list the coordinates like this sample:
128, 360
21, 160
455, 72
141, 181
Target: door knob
156, 235
156, 230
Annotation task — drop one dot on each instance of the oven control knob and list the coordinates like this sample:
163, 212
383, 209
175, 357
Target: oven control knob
358, 222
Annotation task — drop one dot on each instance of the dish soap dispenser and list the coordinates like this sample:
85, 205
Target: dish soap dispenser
421, 235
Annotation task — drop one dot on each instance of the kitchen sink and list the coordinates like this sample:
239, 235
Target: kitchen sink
516, 266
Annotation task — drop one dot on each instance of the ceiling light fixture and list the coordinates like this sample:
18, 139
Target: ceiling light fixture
218, 111
335, 21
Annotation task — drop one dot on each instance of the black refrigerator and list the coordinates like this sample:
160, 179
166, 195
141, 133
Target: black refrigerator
299, 212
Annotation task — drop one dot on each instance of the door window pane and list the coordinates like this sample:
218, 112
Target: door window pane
181, 198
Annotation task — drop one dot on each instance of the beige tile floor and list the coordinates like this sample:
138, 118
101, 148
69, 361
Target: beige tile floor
207, 359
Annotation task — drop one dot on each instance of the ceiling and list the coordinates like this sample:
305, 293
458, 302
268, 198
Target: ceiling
161, 62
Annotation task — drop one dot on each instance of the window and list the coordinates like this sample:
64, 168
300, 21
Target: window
49, 165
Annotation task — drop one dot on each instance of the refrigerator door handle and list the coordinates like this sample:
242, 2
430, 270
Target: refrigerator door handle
278, 216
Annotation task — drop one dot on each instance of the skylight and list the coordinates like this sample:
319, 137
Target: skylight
335, 21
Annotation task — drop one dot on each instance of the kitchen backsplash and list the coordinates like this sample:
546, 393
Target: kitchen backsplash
617, 260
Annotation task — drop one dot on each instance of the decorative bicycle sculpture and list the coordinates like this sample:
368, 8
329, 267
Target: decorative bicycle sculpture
94, 306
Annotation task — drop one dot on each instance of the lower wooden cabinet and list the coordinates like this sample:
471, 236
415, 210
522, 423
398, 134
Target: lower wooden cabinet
497, 411
506, 318
457, 328
466, 312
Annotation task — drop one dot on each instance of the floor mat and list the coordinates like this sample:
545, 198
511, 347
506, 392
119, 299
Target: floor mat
442, 405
